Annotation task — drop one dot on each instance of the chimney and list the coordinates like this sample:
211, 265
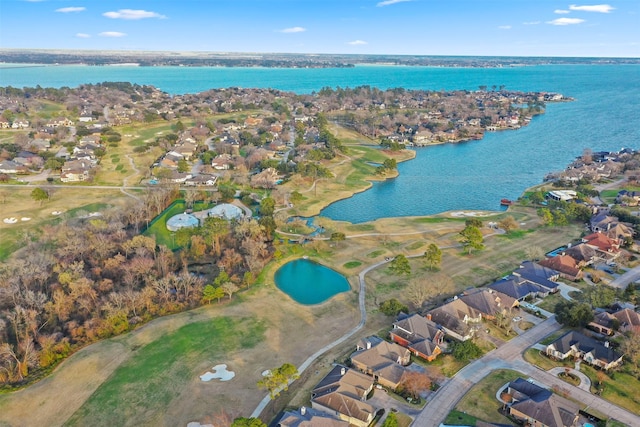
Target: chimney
606, 344
343, 371
368, 345
303, 410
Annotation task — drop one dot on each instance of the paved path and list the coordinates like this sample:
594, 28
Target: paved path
623, 280
363, 318
509, 356
585, 382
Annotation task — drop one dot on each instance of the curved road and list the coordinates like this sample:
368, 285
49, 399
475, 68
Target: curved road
509, 356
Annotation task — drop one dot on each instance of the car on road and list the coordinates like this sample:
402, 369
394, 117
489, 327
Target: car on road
517, 319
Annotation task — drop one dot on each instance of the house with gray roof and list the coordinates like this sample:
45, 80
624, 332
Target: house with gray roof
537, 406
575, 344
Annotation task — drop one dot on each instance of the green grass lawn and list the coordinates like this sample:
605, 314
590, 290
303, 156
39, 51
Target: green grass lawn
620, 388
481, 403
352, 264
148, 381
158, 227
458, 418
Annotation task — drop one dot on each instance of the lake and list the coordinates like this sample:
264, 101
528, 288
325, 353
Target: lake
308, 282
471, 175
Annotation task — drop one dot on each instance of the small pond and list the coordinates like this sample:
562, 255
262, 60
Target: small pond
308, 282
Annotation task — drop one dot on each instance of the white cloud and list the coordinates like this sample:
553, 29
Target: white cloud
566, 21
132, 15
599, 8
390, 2
293, 30
83, 36
531, 23
112, 34
561, 12
71, 9
358, 43
504, 27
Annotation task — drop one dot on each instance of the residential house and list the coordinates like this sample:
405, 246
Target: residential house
171, 159
343, 393
11, 167
419, 334
630, 198
538, 407
623, 320
383, 360
606, 247
4, 123
202, 180
529, 281
565, 265
75, 171
60, 121
222, 162
268, 178
488, 302
583, 254
20, 124
309, 417
456, 319
187, 149
577, 345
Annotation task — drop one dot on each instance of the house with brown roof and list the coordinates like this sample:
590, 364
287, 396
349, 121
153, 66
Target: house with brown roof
623, 320
577, 345
489, 302
565, 265
536, 406
383, 360
343, 393
419, 334
309, 417
456, 319
606, 247
584, 254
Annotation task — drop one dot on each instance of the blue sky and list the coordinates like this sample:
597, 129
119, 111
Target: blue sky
411, 27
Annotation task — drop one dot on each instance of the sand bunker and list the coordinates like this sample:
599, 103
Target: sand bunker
10, 220
56, 212
197, 424
219, 372
460, 214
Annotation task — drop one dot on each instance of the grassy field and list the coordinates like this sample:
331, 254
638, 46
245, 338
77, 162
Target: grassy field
69, 201
143, 388
481, 403
619, 387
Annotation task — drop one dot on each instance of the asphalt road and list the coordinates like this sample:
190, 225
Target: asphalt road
509, 356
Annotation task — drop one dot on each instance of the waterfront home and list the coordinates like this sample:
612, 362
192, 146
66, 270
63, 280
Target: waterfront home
383, 360
536, 406
576, 345
343, 393
309, 417
565, 265
561, 195
419, 334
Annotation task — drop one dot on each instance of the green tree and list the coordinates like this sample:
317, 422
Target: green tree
183, 166
278, 379
390, 164
267, 206
227, 193
471, 238
466, 350
537, 197
392, 307
433, 256
295, 197
574, 315
213, 229
39, 195
400, 266
248, 422
337, 236
546, 216
209, 293
391, 420
473, 222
